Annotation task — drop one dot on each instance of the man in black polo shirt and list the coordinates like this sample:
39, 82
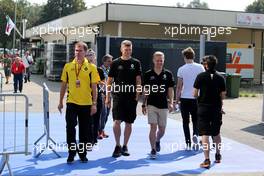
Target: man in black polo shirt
124, 78
158, 87
211, 88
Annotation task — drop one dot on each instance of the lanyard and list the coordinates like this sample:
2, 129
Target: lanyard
77, 72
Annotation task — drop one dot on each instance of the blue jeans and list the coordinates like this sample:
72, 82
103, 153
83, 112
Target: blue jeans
104, 117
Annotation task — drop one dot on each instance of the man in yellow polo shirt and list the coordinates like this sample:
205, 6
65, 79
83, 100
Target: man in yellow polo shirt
81, 78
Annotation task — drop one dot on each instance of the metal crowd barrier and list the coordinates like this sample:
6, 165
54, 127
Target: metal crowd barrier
46, 125
1, 85
12, 128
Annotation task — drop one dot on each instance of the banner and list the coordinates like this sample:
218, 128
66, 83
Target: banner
9, 25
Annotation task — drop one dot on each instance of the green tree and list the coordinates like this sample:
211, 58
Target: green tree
198, 4
25, 10
59, 8
256, 7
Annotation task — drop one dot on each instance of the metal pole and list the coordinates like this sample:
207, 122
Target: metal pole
14, 33
202, 47
107, 44
263, 108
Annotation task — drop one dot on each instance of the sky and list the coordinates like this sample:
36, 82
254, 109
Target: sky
234, 5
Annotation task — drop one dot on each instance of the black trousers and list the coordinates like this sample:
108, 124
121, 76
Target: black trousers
27, 74
189, 107
78, 114
18, 80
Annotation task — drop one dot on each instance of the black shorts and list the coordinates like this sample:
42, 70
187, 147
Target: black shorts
209, 120
7, 71
124, 108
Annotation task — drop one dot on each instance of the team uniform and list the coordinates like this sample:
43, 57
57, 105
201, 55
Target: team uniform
209, 102
124, 73
157, 100
79, 101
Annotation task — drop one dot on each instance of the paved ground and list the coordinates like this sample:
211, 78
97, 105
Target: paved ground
242, 121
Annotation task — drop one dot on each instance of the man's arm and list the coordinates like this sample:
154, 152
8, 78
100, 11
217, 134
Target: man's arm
195, 92
138, 84
179, 89
62, 93
94, 99
108, 91
170, 96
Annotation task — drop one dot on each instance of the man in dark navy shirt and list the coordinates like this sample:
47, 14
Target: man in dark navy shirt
123, 81
158, 88
210, 86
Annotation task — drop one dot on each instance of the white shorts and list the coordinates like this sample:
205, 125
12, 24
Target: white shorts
157, 116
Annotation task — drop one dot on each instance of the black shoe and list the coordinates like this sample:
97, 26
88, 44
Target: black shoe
6, 82
218, 158
117, 152
125, 151
158, 146
15, 91
70, 159
83, 159
206, 164
153, 154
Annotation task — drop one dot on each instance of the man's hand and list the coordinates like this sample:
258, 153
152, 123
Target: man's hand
60, 107
108, 102
93, 110
137, 97
170, 107
144, 110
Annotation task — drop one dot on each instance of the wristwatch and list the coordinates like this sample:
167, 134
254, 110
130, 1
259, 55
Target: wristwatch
94, 103
143, 106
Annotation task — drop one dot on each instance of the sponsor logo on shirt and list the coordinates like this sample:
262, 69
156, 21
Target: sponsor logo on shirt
164, 77
120, 67
132, 66
152, 77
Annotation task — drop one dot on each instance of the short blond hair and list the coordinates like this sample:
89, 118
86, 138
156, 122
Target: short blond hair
126, 43
81, 43
159, 53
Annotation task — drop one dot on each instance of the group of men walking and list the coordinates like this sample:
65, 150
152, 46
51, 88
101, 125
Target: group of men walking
119, 84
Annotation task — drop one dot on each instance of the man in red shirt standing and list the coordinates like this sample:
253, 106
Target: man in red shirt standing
18, 69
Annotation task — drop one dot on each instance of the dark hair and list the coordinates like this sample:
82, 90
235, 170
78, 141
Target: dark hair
211, 62
107, 56
188, 53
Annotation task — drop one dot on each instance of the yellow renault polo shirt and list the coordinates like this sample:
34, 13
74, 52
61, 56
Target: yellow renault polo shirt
80, 95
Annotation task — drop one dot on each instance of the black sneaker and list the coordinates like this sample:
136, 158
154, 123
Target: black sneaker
218, 158
125, 151
153, 154
117, 152
206, 164
83, 159
158, 146
70, 159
